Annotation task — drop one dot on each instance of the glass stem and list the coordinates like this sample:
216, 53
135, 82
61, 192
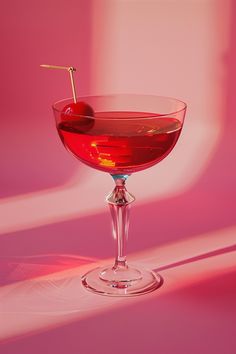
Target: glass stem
119, 202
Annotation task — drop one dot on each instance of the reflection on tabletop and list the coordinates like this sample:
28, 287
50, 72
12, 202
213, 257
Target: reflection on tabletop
42, 292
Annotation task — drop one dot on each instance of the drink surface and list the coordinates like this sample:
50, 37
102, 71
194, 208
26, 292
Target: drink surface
120, 142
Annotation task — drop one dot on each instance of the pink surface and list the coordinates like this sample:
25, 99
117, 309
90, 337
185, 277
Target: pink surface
187, 232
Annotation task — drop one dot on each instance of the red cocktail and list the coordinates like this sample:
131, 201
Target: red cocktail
120, 134
115, 146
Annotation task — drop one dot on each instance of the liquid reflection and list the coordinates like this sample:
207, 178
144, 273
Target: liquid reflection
37, 302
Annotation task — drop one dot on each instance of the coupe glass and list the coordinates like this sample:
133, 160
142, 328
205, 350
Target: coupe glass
123, 134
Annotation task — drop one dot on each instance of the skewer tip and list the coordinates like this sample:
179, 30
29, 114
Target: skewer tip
68, 68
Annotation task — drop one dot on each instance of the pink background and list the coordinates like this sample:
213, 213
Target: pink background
54, 222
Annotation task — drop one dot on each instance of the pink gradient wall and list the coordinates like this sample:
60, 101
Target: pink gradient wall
34, 32
54, 221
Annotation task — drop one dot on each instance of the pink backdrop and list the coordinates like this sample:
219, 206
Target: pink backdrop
54, 222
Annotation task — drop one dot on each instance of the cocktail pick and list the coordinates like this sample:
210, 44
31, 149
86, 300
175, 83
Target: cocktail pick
71, 70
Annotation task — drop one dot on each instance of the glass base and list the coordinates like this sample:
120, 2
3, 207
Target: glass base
128, 281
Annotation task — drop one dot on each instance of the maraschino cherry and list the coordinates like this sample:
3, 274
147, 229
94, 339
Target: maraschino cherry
79, 111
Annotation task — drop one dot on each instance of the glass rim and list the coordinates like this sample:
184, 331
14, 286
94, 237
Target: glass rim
152, 115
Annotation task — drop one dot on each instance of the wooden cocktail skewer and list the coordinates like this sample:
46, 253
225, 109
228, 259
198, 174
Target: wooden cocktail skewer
71, 71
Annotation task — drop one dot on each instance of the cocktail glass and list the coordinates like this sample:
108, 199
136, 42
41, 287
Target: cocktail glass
125, 134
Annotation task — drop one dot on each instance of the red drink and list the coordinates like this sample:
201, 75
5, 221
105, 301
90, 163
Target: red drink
120, 142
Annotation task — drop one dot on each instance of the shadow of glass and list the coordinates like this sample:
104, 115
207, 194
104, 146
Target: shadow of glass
197, 258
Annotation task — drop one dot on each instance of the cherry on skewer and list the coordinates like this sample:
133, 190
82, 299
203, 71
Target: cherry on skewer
80, 112
77, 110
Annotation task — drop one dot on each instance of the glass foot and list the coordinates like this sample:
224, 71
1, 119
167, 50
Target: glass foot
128, 281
